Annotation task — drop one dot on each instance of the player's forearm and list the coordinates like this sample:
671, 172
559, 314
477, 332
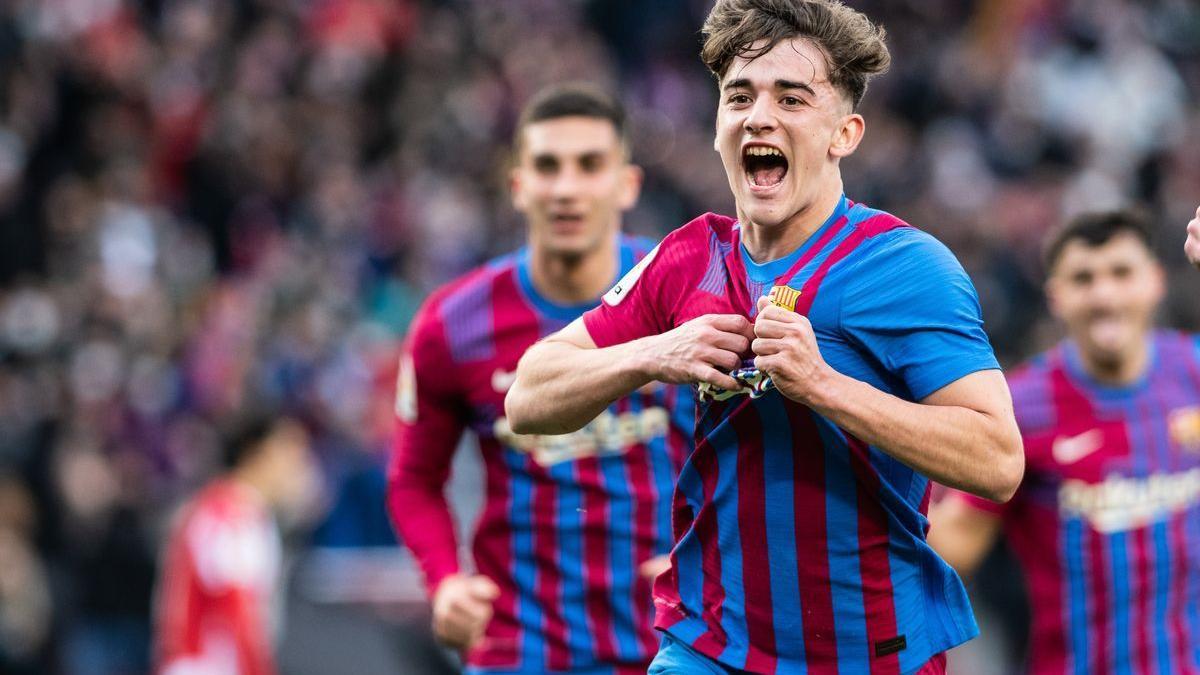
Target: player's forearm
973, 451
426, 527
560, 387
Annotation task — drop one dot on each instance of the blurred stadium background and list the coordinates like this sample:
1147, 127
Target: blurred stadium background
210, 202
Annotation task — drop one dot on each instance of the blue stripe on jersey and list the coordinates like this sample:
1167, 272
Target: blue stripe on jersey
529, 614
688, 553
1120, 600
661, 471
841, 518
1077, 593
1162, 593
573, 589
1193, 582
621, 563
733, 609
787, 617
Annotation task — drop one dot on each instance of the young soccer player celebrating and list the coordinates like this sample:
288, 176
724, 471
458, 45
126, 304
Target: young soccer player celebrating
574, 526
798, 518
1107, 520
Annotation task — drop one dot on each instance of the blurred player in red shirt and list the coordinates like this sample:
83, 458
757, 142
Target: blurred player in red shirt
1106, 524
217, 596
573, 526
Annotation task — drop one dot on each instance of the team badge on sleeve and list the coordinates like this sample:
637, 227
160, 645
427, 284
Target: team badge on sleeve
615, 295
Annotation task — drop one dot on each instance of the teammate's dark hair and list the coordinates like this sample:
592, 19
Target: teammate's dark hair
245, 435
853, 46
575, 99
1096, 229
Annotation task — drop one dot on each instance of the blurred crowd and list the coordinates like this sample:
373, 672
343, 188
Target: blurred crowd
208, 203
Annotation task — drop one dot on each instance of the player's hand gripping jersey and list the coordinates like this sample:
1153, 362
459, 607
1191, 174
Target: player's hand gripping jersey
567, 519
1107, 521
799, 547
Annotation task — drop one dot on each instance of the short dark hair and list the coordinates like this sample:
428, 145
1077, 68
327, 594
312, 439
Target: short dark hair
245, 435
574, 99
1096, 229
853, 46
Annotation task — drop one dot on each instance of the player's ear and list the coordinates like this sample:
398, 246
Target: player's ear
631, 186
847, 135
514, 188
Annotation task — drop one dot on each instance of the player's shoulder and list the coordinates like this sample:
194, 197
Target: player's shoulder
472, 287
691, 245
887, 235
1032, 390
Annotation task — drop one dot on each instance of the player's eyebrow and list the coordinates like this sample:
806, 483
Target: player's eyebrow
744, 83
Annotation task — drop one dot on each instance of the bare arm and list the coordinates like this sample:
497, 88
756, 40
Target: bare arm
961, 534
565, 381
964, 435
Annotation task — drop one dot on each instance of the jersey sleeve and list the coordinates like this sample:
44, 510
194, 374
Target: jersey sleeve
429, 423
645, 301
913, 307
628, 311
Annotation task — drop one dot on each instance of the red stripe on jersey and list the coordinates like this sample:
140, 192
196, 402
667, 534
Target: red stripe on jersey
643, 489
1180, 570
1049, 636
494, 559
713, 641
1142, 589
1098, 566
879, 601
596, 569
752, 530
548, 588
812, 545
865, 230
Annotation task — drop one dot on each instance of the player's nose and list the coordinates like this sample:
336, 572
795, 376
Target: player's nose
761, 116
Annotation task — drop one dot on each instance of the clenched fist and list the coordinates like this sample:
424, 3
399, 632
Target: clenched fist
462, 608
701, 350
1192, 246
786, 349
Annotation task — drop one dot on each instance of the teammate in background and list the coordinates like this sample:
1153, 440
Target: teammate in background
217, 594
573, 527
801, 540
1107, 520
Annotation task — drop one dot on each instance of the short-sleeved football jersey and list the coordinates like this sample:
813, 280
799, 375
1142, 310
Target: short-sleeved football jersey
1106, 524
800, 548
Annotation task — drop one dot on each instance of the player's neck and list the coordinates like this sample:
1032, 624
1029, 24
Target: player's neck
572, 280
767, 243
1121, 372
253, 482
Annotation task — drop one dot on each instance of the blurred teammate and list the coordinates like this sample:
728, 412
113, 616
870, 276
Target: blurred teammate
1107, 522
217, 596
801, 540
573, 526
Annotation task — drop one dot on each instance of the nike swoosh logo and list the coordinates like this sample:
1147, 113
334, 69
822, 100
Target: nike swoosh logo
502, 380
1071, 449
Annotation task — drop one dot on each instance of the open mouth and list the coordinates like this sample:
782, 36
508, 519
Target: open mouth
765, 166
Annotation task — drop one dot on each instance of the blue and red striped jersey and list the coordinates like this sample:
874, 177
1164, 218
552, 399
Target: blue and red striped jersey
567, 519
1106, 523
799, 548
